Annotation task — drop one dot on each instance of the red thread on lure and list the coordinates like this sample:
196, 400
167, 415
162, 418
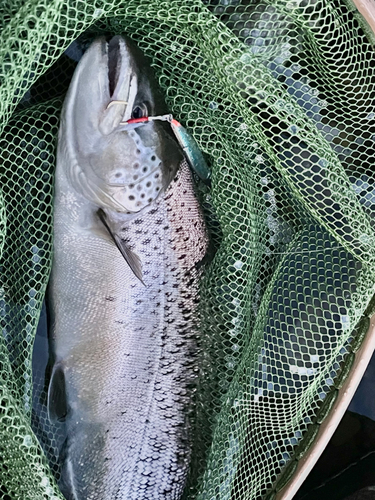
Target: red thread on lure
137, 120
145, 119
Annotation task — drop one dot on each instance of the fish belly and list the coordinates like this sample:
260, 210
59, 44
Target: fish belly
127, 350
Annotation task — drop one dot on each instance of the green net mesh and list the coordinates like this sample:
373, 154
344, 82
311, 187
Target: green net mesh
279, 96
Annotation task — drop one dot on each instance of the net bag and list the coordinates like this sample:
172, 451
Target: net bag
279, 96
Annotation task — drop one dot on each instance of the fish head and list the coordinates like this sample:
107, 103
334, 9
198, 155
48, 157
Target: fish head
117, 166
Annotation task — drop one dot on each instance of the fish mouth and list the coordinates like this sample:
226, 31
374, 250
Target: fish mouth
121, 70
114, 63
119, 75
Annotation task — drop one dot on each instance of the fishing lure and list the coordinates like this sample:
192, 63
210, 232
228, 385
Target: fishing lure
189, 147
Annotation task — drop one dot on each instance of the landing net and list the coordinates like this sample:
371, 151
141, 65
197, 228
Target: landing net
279, 96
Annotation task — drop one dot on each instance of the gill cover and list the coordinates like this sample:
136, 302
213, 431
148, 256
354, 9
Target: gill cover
117, 169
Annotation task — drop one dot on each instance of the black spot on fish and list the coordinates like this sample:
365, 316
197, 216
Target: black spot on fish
109, 298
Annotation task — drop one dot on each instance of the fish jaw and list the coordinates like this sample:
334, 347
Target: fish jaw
117, 169
104, 74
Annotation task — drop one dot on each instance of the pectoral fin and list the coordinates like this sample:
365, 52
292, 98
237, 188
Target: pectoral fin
56, 400
132, 259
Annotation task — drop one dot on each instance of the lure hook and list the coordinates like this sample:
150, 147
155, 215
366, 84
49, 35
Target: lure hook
115, 101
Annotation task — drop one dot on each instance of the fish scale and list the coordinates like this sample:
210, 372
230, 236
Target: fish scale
140, 409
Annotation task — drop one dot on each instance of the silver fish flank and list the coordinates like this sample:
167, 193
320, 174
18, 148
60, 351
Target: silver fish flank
128, 239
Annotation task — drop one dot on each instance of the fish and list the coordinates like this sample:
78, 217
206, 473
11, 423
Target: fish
130, 242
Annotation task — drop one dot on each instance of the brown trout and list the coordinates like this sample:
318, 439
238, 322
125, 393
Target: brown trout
129, 236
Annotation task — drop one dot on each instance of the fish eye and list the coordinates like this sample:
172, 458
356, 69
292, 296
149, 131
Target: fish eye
140, 111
